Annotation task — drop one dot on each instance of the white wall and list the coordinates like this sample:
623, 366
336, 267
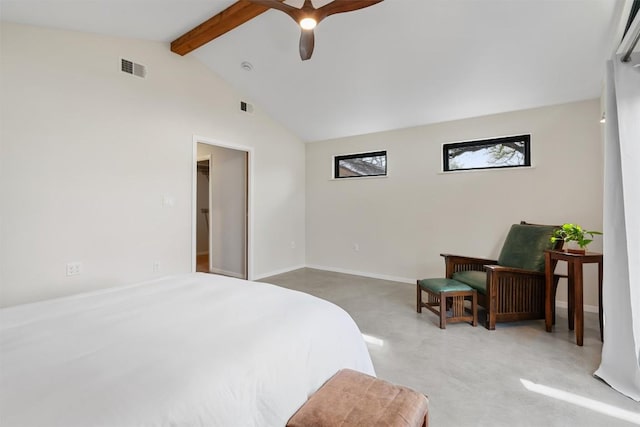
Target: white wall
89, 153
403, 222
229, 185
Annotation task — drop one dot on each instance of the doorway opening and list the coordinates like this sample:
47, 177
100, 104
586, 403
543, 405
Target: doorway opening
221, 238
203, 199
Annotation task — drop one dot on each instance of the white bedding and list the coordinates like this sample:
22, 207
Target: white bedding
187, 350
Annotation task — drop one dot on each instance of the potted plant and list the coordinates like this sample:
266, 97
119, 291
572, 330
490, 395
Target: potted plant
574, 233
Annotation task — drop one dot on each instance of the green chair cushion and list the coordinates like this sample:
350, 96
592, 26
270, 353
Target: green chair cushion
476, 279
525, 245
442, 285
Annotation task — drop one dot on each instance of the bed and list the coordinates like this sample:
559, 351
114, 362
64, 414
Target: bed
187, 350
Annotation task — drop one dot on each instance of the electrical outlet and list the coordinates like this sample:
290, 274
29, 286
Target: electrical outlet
356, 247
74, 268
293, 244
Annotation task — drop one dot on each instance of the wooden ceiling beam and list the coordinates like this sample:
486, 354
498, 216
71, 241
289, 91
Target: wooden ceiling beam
225, 21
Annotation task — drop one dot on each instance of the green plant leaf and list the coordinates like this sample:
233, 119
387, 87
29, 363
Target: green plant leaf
584, 242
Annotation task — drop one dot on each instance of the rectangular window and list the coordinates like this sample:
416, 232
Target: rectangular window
506, 152
362, 164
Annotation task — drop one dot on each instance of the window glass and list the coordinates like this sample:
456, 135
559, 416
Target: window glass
512, 151
362, 164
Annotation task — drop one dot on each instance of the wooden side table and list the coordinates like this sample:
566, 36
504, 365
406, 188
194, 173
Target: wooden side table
575, 288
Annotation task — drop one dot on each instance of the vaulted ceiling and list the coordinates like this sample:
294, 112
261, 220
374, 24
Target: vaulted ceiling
396, 64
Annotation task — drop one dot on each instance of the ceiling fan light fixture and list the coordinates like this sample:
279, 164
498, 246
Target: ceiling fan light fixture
308, 23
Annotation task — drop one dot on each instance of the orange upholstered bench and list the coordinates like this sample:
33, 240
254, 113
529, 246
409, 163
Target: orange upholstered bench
351, 399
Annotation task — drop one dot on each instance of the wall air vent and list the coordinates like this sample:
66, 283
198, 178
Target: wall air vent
131, 67
246, 107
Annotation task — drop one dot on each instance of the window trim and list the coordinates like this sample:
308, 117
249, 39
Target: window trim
337, 158
526, 138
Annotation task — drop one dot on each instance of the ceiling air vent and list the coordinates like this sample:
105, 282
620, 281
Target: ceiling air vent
246, 107
131, 67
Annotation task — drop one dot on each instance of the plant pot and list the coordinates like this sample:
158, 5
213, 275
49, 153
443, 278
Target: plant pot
574, 248
577, 251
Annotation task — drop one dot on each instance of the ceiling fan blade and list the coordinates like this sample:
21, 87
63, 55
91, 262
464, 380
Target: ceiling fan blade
307, 41
340, 6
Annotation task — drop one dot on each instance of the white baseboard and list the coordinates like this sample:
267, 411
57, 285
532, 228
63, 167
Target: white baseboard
276, 272
561, 304
364, 274
587, 308
227, 273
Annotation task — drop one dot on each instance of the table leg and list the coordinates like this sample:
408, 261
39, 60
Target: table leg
548, 293
571, 312
553, 297
579, 307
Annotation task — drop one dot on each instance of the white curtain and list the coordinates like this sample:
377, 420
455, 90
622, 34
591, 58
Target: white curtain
620, 365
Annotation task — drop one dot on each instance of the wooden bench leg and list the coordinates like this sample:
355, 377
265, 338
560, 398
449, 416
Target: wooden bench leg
418, 298
443, 311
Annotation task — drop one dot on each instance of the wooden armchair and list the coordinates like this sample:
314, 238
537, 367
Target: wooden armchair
513, 286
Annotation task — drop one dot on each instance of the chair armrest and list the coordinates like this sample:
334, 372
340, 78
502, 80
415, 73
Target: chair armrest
455, 263
502, 269
468, 260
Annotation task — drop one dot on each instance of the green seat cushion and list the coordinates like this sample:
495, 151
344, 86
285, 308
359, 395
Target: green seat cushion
476, 279
442, 285
525, 245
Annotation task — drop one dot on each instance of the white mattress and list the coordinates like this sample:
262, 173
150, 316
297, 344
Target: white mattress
188, 350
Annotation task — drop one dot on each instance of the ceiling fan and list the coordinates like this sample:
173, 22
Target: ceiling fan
244, 10
308, 17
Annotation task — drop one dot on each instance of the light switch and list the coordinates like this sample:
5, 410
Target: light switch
168, 201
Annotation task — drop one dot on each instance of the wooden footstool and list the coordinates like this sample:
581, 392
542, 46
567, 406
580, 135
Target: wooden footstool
439, 292
354, 399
